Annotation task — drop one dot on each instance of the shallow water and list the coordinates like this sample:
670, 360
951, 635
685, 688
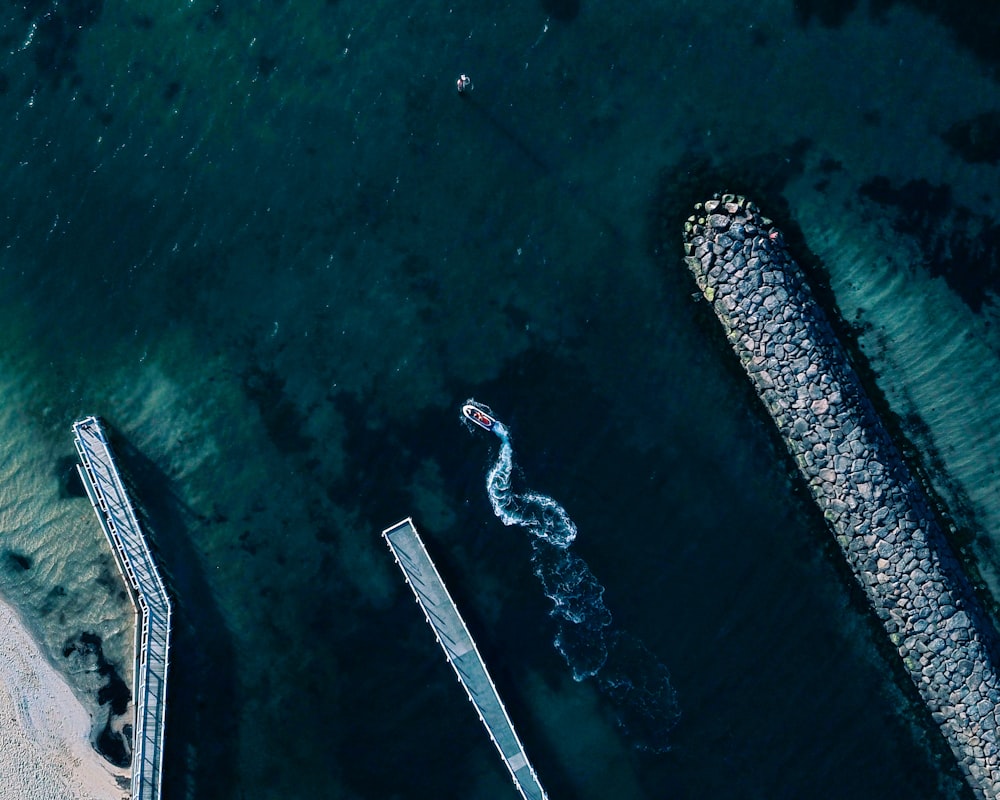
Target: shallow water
272, 247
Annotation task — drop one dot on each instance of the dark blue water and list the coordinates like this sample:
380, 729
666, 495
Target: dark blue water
622, 667
273, 247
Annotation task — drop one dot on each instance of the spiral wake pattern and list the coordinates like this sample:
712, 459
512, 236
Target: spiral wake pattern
629, 675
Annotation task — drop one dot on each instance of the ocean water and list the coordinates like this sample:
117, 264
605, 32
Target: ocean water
275, 250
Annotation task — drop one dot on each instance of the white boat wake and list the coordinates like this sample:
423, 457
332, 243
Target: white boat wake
626, 671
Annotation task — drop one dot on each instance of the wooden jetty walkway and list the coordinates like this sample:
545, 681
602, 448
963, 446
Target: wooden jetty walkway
461, 652
152, 641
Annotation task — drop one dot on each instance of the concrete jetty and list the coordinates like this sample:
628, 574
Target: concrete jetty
879, 513
109, 498
459, 648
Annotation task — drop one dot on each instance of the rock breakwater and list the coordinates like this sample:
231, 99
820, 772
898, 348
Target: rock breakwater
878, 511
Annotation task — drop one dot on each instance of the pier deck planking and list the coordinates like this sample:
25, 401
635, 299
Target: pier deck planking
460, 649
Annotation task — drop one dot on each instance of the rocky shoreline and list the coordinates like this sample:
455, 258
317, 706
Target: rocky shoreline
878, 511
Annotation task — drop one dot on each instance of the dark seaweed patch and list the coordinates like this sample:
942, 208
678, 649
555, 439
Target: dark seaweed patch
217, 14
53, 599
266, 66
283, 422
57, 30
19, 561
88, 649
83, 13
115, 692
114, 746
696, 177
872, 117
829, 13
562, 10
829, 165
976, 140
960, 245
975, 23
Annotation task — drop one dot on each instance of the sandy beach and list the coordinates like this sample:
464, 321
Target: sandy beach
45, 750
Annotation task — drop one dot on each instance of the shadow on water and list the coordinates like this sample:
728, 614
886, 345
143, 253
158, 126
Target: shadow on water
199, 758
68, 479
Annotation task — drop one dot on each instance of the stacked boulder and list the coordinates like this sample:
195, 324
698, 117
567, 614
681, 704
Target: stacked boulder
879, 513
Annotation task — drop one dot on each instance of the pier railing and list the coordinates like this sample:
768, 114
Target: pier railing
111, 503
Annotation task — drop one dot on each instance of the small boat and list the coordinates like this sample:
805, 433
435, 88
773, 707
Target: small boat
478, 416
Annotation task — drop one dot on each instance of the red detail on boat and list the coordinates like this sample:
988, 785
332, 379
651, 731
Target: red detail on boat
478, 416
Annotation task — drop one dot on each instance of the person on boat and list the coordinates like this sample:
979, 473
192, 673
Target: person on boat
464, 83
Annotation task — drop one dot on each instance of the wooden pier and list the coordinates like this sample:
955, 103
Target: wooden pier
461, 652
152, 641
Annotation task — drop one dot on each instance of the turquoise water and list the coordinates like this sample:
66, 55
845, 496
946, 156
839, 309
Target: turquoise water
275, 250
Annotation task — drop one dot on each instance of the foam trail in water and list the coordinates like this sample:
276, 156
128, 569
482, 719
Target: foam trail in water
627, 672
542, 515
